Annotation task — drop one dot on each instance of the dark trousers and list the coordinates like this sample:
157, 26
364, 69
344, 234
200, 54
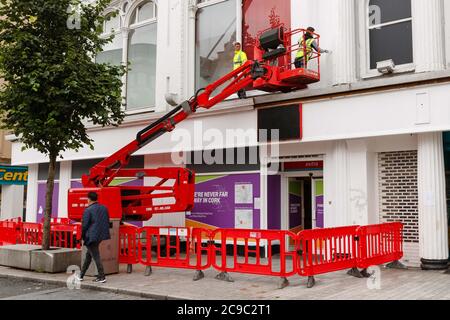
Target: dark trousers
299, 63
93, 252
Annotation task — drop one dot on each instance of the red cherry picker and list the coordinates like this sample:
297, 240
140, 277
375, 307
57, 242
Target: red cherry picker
173, 190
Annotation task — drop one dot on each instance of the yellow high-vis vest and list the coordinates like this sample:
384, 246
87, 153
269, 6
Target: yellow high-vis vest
309, 48
239, 59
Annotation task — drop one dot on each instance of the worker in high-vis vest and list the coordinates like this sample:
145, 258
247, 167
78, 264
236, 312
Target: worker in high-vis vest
238, 61
306, 46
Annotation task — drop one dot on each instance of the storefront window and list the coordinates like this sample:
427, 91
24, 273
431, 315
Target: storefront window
112, 52
392, 38
112, 24
215, 35
141, 78
142, 75
142, 57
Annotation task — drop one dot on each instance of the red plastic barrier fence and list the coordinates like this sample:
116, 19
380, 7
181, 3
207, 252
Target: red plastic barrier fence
252, 243
65, 235
30, 233
174, 247
61, 234
9, 232
58, 221
379, 244
128, 244
327, 250
261, 252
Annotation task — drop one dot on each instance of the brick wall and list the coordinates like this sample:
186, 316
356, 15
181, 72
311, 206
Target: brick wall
397, 172
398, 198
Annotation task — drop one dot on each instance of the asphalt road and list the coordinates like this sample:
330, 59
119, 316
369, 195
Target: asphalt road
15, 289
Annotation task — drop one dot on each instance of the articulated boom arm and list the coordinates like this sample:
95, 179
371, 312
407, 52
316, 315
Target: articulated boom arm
170, 190
104, 172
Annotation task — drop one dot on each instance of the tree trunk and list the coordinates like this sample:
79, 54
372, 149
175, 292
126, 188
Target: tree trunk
48, 203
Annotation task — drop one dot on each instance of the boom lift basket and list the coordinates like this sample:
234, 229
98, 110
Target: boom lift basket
275, 47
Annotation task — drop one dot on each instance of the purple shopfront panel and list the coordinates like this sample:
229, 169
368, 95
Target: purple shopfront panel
42, 190
295, 212
319, 212
215, 200
133, 183
274, 202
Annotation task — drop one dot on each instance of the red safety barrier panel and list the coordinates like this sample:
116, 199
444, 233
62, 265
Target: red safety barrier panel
174, 247
247, 247
129, 244
9, 232
30, 233
327, 250
379, 244
62, 233
65, 235
58, 221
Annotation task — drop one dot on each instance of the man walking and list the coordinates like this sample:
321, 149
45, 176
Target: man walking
307, 43
240, 57
95, 229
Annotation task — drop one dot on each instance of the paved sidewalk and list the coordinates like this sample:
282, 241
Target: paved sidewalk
18, 289
178, 284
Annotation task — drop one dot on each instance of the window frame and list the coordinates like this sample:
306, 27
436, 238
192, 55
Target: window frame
239, 35
364, 40
119, 27
135, 25
117, 32
208, 3
126, 42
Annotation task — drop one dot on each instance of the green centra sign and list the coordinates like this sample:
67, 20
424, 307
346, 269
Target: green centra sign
13, 175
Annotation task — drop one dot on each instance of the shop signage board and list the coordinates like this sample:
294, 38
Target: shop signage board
10, 175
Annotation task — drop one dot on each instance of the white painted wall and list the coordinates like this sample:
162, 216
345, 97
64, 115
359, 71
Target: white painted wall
12, 202
65, 176
107, 141
447, 31
378, 114
370, 115
354, 201
317, 14
169, 60
32, 193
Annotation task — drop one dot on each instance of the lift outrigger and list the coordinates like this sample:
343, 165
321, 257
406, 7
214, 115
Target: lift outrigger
271, 71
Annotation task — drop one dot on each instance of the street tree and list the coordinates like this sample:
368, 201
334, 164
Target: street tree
53, 87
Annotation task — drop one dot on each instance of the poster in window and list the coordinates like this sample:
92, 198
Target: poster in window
243, 193
243, 219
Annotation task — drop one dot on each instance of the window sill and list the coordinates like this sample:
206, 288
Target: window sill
133, 112
371, 74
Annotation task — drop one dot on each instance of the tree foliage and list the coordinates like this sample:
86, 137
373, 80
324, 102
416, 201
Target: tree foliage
52, 84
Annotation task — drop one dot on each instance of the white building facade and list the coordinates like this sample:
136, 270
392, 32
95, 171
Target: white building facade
359, 147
